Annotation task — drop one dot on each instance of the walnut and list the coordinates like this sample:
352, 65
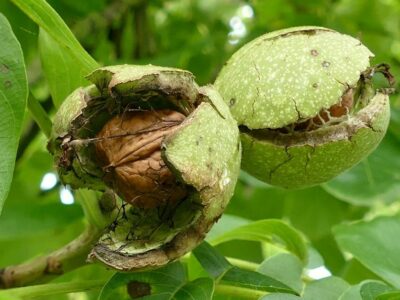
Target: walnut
129, 151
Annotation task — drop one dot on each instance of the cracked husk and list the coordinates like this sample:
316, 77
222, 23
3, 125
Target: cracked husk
169, 148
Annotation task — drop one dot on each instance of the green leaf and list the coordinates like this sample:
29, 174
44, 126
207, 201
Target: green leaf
59, 65
374, 244
355, 272
280, 296
13, 96
330, 288
352, 293
36, 219
254, 280
47, 18
284, 267
8, 296
395, 121
169, 282
375, 179
201, 288
395, 295
314, 211
256, 201
370, 290
225, 224
218, 267
269, 231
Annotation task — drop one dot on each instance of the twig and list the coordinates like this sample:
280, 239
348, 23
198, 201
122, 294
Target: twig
47, 267
67, 258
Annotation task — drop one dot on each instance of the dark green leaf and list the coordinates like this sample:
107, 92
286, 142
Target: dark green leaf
201, 288
214, 263
169, 282
218, 267
13, 96
254, 280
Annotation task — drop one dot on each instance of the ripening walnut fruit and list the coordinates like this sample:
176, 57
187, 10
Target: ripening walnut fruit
305, 104
167, 147
129, 152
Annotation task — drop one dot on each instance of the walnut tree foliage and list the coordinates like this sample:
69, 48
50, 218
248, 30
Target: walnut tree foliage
338, 240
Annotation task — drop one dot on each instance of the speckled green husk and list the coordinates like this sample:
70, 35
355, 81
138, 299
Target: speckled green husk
204, 153
291, 75
310, 158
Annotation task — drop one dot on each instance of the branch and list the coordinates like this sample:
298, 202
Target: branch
46, 267
70, 256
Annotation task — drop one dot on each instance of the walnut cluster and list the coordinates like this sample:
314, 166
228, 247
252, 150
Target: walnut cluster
128, 148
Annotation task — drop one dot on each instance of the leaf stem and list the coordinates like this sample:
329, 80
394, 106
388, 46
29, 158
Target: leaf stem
39, 115
91, 209
54, 289
239, 292
244, 264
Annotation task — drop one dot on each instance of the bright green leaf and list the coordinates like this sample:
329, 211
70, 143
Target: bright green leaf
59, 65
280, 296
225, 224
395, 295
47, 18
269, 231
13, 96
375, 244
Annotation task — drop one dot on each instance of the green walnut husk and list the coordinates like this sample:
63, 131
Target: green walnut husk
280, 83
203, 154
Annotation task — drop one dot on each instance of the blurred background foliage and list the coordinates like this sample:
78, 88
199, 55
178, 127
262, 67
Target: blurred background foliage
200, 35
